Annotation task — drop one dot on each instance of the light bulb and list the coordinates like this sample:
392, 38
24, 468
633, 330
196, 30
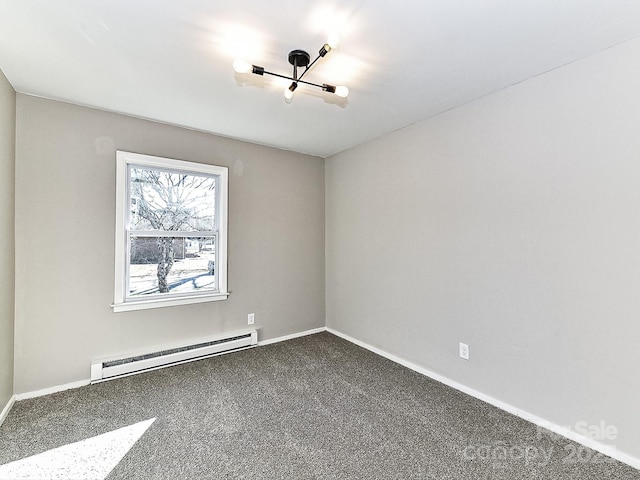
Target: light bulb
288, 94
342, 91
334, 40
240, 66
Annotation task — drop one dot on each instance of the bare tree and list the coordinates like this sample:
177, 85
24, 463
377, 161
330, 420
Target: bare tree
172, 202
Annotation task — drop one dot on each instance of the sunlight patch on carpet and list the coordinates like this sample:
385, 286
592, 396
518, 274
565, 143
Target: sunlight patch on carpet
90, 459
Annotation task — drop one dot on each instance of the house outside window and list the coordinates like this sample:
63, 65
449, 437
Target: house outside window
171, 232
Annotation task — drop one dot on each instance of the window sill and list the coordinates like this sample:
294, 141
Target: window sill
167, 302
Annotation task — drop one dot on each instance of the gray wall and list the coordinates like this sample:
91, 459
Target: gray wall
7, 163
512, 224
65, 215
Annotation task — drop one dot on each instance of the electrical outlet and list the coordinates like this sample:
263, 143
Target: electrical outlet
464, 351
251, 318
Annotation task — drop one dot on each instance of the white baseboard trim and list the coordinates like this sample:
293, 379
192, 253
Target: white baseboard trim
50, 390
7, 408
82, 383
291, 337
530, 417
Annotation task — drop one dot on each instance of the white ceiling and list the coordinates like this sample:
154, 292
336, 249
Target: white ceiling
403, 61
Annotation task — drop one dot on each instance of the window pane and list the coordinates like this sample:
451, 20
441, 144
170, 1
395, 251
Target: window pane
166, 200
171, 265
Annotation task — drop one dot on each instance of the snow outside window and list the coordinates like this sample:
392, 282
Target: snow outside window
171, 232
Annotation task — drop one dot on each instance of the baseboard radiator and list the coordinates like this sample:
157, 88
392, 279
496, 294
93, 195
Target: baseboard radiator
124, 366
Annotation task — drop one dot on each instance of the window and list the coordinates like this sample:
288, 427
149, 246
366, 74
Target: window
171, 232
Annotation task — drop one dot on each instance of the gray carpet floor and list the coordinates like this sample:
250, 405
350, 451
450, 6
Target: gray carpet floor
316, 407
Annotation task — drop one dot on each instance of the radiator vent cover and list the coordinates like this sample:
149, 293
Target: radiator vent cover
119, 367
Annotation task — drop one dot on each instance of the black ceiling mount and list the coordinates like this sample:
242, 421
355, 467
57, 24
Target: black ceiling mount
299, 58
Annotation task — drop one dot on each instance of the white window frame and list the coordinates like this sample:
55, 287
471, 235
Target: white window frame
122, 302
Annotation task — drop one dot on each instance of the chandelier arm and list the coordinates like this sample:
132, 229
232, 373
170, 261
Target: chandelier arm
309, 66
310, 83
293, 79
281, 76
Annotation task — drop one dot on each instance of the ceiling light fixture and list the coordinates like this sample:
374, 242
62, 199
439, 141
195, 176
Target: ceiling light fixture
299, 59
